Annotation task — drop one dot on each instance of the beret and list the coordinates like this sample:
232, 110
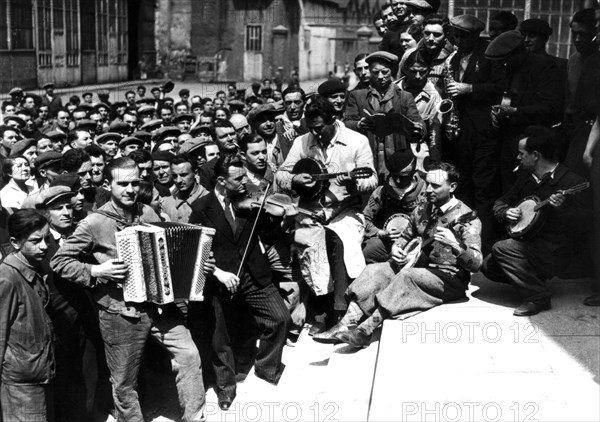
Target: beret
382, 56
51, 194
184, 91
467, 23
162, 156
15, 90
32, 200
143, 135
119, 126
151, 125
503, 45
71, 180
130, 140
86, 124
118, 104
16, 118
55, 134
258, 110
47, 159
146, 109
180, 117
48, 85
399, 160
419, 4
108, 136
165, 132
331, 86
21, 146
536, 26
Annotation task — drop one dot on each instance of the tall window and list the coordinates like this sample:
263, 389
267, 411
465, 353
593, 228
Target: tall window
3, 25
44, 36
58, 13
253, 38
121, 31
88, 25
102, 32
72, 32
21, 24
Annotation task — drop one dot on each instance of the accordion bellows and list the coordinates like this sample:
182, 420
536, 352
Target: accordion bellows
165, 261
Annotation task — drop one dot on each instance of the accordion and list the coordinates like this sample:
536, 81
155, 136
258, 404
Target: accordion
165, 261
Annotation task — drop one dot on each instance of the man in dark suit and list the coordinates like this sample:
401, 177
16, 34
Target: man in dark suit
383, 97
240, 282
54, 102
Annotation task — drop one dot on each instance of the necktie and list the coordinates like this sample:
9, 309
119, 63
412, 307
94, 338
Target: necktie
229, 215
431, 224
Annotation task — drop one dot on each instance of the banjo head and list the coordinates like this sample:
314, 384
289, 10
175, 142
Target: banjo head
397, 221
528, 218
412, 250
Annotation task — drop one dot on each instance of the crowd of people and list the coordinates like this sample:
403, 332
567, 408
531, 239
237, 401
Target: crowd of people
373, 198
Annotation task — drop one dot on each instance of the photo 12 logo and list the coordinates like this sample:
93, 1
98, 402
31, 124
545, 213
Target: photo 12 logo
274, 411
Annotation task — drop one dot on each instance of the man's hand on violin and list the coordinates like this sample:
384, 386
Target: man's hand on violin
229, 280
304, 180
398, 255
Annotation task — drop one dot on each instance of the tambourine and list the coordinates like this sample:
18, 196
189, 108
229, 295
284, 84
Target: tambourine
397, 221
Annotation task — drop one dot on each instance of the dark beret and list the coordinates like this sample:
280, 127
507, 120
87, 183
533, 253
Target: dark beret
331, 86
184, 91
180, 117
165, 132
86, 124
21, 146
55, 134
467, 23
162, 156
503, 45
390, 58
399, 160
152, 125
119, 126
70, 180
143, 135
536, 26
258, 110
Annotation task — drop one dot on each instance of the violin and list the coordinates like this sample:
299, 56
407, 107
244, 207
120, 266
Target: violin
273, 204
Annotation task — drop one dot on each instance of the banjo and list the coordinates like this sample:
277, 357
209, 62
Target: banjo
531, 217
413, 248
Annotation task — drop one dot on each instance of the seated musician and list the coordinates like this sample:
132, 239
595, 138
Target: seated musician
399, 194
552, 248
89, 257
329, 253
451, 250
242, 278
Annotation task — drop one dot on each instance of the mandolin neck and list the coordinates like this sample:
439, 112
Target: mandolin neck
328, 176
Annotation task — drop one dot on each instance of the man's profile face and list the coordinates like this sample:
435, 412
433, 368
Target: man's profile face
85, 175
9, 138
235, 182
583, 37
125, 186
438, 190
256, 156
526, 159
83, 139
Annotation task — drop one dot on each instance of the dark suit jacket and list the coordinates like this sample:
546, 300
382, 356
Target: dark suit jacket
228, 247
488, 81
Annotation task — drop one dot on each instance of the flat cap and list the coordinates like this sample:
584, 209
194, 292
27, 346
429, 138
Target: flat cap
182, 117
536, 26
162, 156
200, 129
331, 86
192, 145
32, 200
15, 90
467, 23
86, 124
55, 134
51, 194
119, 126
419, 4
19, 147
503, 45
384, 56
152, 125
86, 93
236, 103
118, 104
15, 118
146, 109
143, 135
71, 180
46, 159
165, 132
48, 85
128, 140
109, 136
100, 105
184, 91
260, 110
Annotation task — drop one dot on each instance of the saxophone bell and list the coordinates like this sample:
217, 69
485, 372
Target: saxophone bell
445, 106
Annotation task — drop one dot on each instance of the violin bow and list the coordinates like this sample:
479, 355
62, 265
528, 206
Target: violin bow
262, 205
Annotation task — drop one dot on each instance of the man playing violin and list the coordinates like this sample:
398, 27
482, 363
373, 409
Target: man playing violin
242, 277
558, 246
329, 254
451, 250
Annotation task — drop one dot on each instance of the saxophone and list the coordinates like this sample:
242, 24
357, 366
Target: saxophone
447, 108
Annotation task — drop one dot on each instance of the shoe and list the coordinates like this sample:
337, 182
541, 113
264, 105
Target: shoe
355, 337
593, 300
329, 336
532, 308
224, 405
